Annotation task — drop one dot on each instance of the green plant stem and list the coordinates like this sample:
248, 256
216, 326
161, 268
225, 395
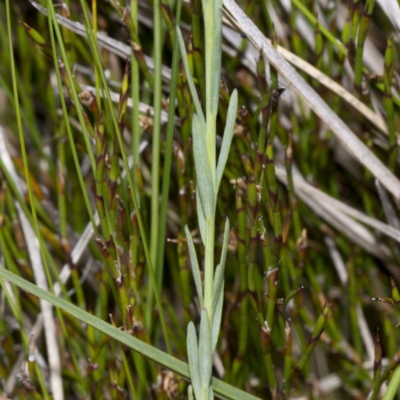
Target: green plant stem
394, 383
313, 20
393, 386
361, 37
168, 145
135, 98
155, 163
35, 224
52, 21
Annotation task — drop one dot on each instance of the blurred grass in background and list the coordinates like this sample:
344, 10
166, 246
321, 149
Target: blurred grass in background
95, 194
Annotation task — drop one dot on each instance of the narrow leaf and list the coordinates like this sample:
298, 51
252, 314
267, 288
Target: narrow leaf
193, 355
192, 88
211, 394
190, 393
228, 135
205, 353
219, 272
395, 290
124, 94
213, 27
203, 172
195, 266
218, 282
200, 216
216, 324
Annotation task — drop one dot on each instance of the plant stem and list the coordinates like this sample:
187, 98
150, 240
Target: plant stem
155, 167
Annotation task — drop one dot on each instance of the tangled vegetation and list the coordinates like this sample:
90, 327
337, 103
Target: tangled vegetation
199, 199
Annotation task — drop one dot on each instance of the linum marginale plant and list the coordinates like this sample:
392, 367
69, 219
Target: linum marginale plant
208, 174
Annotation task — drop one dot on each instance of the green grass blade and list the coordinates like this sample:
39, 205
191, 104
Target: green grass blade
168, 148
393, 386
155, 164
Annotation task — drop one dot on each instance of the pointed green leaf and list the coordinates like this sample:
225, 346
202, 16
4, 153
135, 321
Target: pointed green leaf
228, 135
192, 88
218, 282
219, 271
190, 393
195, 265
213, 27
193, 356
216, 324
211, 394
395, 290
203, 172
205, 353
200, 216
